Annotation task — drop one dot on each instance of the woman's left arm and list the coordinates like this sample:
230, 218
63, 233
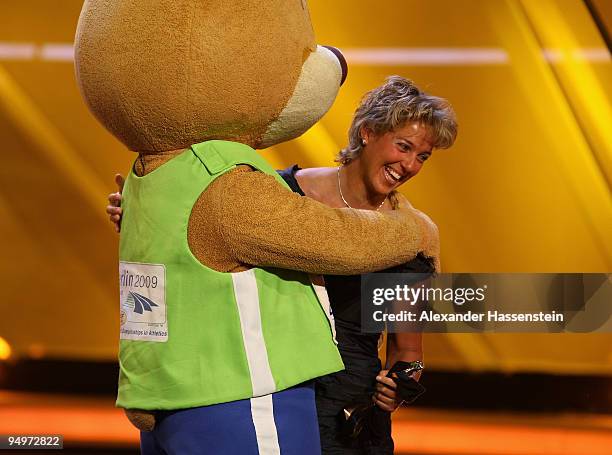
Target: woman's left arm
400, 346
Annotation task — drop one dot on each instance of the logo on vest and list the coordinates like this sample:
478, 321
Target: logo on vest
142, 291
139, 303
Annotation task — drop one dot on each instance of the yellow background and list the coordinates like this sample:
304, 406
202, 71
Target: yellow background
526, 188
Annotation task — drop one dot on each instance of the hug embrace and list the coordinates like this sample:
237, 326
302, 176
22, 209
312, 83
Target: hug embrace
250, 340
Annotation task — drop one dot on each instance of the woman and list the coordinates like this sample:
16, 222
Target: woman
394, 131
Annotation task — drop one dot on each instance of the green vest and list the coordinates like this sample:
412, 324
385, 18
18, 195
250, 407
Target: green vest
192, 336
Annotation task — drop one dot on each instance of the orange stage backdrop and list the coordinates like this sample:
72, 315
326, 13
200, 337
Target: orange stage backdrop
525, 189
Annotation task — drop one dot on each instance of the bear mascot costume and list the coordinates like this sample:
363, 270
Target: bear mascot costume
221, 324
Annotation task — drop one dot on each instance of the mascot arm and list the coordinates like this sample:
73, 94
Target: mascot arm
403, 203
251, 219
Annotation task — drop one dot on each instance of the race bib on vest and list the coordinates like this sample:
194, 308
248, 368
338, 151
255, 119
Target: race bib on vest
142, 295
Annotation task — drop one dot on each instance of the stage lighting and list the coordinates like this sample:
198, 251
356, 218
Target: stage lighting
5, 349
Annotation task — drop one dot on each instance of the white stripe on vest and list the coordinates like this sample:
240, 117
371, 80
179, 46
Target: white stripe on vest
318, 284
247, 300
262, 412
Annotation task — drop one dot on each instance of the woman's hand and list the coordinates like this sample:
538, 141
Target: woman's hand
114, 208
385, 396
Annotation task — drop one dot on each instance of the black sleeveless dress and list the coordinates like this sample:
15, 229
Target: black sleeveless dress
359, 353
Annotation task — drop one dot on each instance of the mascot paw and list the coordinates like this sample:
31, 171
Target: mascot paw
143, 420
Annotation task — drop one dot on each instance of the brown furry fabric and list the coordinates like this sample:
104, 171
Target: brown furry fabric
143, 420
149, 69
246, 218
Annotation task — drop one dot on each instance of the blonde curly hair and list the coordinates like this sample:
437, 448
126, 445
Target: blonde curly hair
393, 104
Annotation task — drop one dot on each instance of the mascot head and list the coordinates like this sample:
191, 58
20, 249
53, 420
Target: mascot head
165, 74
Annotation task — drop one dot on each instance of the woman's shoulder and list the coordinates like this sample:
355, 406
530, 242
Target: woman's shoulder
315, 173
317, 182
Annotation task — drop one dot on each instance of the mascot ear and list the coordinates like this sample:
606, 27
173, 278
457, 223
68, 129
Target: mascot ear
323, 72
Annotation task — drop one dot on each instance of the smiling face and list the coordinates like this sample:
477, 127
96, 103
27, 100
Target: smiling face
390, 159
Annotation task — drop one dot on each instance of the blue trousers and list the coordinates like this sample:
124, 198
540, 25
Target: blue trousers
283, 423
